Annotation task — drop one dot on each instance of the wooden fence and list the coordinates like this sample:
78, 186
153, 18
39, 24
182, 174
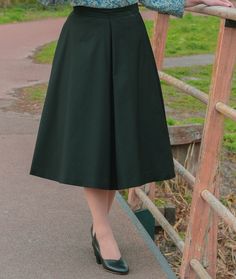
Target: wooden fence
200, 246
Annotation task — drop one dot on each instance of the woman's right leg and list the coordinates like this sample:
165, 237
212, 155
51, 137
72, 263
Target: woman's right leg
99, 202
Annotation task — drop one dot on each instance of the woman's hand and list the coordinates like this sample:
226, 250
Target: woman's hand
225, 3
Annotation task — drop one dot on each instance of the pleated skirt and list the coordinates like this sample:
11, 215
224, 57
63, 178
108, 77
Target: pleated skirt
103, 123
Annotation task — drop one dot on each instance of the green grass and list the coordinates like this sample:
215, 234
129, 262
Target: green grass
159, 202
190, 35
200, 77
197, 76
45, 54
32, 11
197, 120
36, 93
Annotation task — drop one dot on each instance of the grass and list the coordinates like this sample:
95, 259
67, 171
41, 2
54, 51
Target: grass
45, 53
197, 76
200, 77
36, 93
29, 99
160, 202
189, 35
32, 11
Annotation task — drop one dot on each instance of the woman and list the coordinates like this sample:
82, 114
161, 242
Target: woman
103, 124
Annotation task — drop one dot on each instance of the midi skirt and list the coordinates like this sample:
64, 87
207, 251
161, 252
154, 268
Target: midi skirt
103, 123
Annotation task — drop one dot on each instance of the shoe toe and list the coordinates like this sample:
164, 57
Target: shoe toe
117, 265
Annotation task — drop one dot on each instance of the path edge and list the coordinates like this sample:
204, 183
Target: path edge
146, 237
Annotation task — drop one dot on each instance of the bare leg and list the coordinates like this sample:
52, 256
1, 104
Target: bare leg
111, 195
98, 200
110, 198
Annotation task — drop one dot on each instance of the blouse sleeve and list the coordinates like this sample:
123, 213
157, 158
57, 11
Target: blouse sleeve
52, 2
172, 7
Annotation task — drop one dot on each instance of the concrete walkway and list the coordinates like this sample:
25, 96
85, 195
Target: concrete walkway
19, 43
44, 224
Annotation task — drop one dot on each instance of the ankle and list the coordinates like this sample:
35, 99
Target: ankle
103, 232
101, 228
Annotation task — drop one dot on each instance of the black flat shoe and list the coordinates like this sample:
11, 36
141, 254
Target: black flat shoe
114, 266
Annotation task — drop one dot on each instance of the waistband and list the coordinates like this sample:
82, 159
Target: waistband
101, 12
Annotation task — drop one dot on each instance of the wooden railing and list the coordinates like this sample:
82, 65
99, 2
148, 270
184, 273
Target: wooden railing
200, 246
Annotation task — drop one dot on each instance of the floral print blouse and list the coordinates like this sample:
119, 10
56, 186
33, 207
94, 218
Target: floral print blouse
172, 7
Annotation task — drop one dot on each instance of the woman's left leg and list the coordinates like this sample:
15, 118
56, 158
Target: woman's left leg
110, 194
97, 200
110, 199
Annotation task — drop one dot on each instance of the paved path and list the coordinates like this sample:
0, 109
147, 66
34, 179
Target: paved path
44, 224
20, 41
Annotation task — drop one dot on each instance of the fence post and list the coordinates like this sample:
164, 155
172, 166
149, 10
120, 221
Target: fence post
159, 37
201, 237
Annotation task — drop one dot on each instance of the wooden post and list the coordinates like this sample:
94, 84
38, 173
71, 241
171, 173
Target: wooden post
159, 38
201, 237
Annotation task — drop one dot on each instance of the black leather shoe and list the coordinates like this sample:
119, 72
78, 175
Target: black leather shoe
114, 266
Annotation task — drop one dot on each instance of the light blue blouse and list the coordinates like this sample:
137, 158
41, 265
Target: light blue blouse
172, 7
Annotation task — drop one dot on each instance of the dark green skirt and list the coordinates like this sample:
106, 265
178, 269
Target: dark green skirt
103, 124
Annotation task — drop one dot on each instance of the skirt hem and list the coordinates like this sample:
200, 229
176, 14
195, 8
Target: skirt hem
91, 184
